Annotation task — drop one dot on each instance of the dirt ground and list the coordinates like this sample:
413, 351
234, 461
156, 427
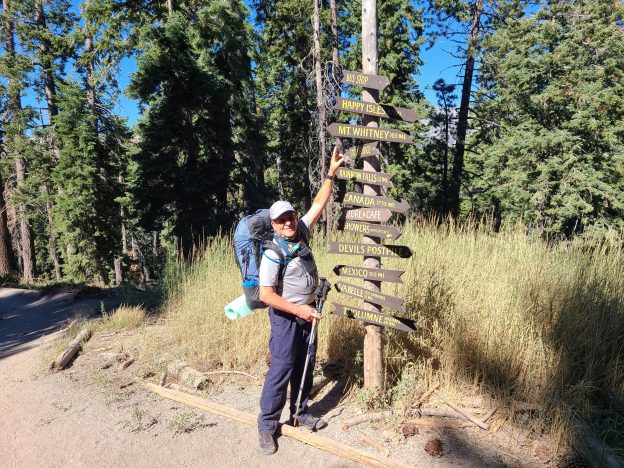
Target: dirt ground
96, 414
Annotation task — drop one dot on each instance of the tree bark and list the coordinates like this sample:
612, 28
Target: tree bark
464, 107
7, 260
373, 369
337, 89
320, 98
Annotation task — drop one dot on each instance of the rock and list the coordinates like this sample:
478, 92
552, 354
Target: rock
435, 447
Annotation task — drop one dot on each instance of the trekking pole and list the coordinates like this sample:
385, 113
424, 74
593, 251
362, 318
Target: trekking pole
321, 295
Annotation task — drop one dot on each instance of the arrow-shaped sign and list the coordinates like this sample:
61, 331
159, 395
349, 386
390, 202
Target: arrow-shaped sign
359, 199
370, 274
374, 297
378, 318
367, 149
369, 133
373, 230
366, 177
364, 80
380, 215
370, 250
377, 110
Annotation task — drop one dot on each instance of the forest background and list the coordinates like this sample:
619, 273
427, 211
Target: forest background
232, 116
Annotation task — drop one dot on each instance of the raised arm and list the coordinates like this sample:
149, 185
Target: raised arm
322, 197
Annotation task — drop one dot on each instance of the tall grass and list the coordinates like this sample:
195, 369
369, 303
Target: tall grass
522, 319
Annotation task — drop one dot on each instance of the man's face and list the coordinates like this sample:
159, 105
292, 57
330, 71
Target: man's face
286, 224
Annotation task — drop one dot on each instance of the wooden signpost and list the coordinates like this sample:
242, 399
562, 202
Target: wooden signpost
363, 151
359, 199
377, 230
374, 297
370, 250
369, 133
377, 318
380, 215
377, 110
372, 274
364, 80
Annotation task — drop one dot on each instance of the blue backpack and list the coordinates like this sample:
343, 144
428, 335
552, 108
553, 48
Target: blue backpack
252, 236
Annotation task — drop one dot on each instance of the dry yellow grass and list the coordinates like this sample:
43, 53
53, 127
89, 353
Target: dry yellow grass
122, 318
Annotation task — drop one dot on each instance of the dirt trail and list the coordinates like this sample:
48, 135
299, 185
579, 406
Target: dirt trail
97, 415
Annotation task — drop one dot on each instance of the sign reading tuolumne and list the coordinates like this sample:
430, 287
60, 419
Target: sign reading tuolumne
370, 250
373, 230
374, 297
370, 274
364, 80
378, 318
359, 199
369, 133
380, 215
366, 177
374, 109
363, 151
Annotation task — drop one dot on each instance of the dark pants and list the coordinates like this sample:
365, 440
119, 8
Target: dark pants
288, 345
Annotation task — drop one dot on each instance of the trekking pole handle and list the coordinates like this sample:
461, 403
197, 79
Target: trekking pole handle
324, 288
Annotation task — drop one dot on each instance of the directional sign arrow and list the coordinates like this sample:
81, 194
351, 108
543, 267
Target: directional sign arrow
370, 274
367, 149
378, 318
380, 215
373, 230
366, 177
377, 110
359, 199
374, 297
364, 80
370, 250
369, 133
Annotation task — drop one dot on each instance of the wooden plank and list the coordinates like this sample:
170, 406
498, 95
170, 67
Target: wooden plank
371, 274
370, 250
378, 318
375, 230
369, 133
368, 214
374, 297
365, 150
364, 80
373, 201
315, 440
377, 110
366, 177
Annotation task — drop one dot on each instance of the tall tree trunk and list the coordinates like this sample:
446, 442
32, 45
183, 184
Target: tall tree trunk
15, 109
320, 97
464, 107
341, 184
7, 260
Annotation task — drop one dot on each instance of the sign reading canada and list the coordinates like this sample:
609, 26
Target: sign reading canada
359, 199
370, 250
369, 133
370, 274
374, 109
366, 177
378, 318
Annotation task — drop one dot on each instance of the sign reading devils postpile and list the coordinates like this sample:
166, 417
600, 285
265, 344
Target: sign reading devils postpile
364, 80
370, 274
370, 250
366, 177
359, 199
377, 318
369, 133
374, 230
374, 297
374, 109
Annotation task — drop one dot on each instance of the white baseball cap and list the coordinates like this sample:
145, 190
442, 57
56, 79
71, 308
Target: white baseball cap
279, 208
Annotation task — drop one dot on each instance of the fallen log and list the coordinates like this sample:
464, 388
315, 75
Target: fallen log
425, 395
420, 412
76, 345
323, 443
126, 363
187, 376
375, 445
231, 372
464, 413
436, 424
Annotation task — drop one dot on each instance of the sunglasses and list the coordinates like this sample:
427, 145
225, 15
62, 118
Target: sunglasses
283, 219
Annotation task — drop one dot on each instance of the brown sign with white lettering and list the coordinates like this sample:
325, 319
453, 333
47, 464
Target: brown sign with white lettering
380, 215
374, 109
366, 177
369, 133
370, 274
364, 80
370, 250
373, 230
359, 199
378, 318
374, 297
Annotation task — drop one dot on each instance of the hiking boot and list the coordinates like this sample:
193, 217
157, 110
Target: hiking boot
267, 443
309, 422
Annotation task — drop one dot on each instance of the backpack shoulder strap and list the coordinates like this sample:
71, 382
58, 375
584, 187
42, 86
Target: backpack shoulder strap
281, 260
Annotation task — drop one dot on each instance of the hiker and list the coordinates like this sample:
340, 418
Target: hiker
291, 312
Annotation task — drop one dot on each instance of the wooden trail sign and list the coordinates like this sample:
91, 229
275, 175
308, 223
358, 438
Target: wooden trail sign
377, 318
369, 133
365, 150
372, 108
364, 80
366, 177
370, 274
374, 230
368, 214
374, 297
370, 250
359, 199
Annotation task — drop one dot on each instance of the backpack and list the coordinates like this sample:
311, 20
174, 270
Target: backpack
252, 236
